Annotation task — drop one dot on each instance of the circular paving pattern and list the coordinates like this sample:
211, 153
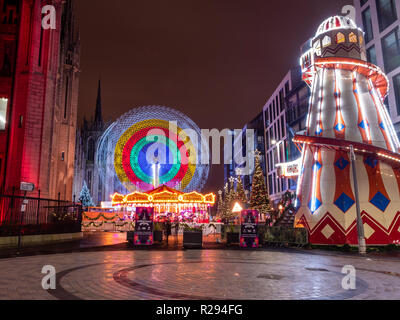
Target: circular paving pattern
210, 275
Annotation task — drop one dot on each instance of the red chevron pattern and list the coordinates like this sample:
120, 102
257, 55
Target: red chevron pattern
328, 231
341, 47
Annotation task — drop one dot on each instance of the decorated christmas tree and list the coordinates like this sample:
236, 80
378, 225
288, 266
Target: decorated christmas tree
84, 196
230, 196
220, 205
259, 199
240, 193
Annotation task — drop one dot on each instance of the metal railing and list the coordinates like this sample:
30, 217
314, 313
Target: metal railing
38, 215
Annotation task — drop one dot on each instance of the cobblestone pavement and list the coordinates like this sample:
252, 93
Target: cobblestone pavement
203, 274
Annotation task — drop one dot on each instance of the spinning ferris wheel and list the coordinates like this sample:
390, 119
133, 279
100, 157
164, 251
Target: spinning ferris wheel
151, 146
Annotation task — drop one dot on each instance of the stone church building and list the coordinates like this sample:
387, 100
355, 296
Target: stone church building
39, 83
87, 140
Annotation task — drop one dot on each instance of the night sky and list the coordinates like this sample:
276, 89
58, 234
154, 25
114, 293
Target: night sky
217, 61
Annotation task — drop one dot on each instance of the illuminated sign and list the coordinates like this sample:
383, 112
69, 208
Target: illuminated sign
237, 208
26, 186
289, 169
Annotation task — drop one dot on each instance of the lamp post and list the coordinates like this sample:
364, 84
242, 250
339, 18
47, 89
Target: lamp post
360, 227
156, 170
246, 192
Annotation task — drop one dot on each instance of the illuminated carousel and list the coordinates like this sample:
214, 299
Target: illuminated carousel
152, 157
151, 146
167, 203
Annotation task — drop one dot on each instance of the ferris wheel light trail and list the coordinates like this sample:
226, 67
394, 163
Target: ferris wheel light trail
125, 152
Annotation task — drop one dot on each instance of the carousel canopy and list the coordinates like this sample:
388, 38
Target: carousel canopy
163, 194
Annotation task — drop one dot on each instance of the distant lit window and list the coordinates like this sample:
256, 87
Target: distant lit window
371, 55
367, 22
352, 37
317, 47
3, 113
326, 42
386, 13
361, 40
391, 50
340, 38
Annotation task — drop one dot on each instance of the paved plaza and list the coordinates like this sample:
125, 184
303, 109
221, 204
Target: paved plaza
199, 274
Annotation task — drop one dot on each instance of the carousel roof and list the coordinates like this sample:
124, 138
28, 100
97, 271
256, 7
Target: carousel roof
163, 194
336, 22
164, 188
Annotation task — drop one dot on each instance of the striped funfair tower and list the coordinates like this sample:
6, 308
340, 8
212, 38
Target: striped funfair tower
347, 112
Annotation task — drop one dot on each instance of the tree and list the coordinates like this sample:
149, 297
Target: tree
287, 201
84, 196
259, 199
230, 196
220, 204
240, 193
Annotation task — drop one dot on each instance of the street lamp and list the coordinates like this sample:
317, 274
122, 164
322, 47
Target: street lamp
362, 249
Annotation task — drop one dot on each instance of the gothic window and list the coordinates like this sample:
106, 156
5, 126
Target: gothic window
352, 37
89, 180
6, 69
66, 97
41, 47
90, 156
3, 113
326, 42
340, 38
11, 17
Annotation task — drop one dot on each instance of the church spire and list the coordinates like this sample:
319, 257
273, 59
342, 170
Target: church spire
98, 117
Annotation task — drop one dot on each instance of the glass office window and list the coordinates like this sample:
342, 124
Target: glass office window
371, 55
367, 22
386, 13
396, 88
391, 50
3, 113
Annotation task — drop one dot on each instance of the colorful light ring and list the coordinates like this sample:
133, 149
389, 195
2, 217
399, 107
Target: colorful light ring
132, 165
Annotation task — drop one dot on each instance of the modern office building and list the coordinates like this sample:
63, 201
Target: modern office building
296, 120
257, 125
229, 169
380, 20
284, 115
